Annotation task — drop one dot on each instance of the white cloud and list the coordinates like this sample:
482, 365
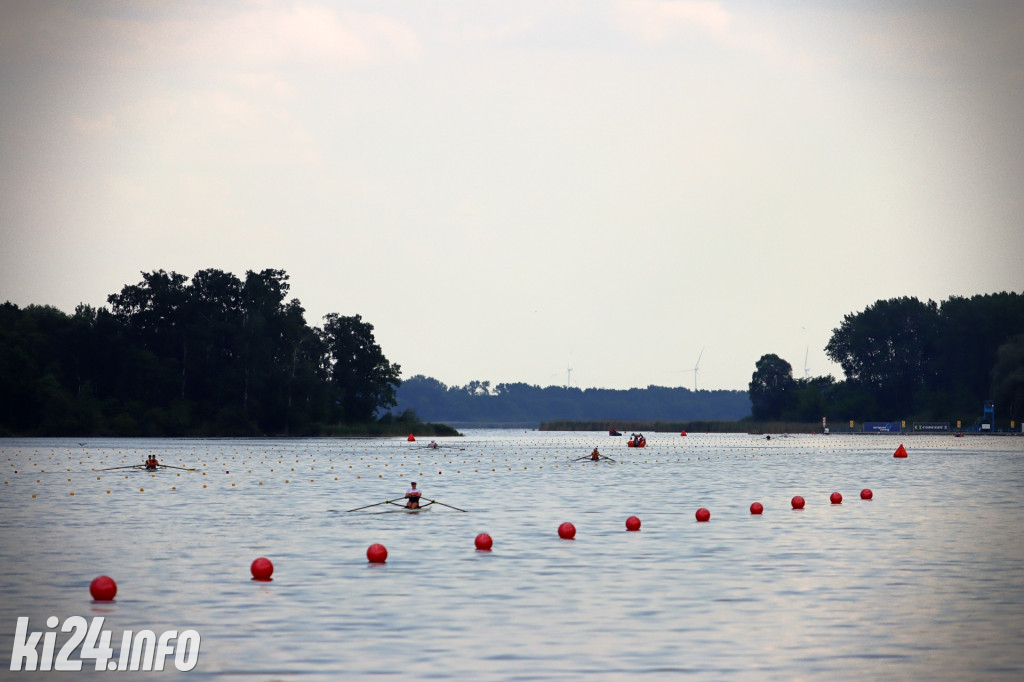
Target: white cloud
656, 20
93, 126
217, 36
303, 34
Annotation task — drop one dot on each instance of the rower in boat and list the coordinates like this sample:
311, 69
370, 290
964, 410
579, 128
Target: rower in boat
412, 497
151, 463
595, 455
433, 444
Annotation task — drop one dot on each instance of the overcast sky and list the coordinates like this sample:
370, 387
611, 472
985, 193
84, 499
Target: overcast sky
509, 189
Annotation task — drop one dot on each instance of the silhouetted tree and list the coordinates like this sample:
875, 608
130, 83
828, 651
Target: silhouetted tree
772, 388
362, 379
889, 350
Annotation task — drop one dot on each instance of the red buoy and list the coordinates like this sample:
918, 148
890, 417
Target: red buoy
703, 514
632, 523
483, 542
798, 502
377, 553
866, 494
262, 569
411, 438
567, 531
756, 508
836, 498
682, 433
900, 451
103, 588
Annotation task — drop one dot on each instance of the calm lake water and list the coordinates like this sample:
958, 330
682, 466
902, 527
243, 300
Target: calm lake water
924, 581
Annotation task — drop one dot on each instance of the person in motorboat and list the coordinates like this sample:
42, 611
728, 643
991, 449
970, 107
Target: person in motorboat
412, 497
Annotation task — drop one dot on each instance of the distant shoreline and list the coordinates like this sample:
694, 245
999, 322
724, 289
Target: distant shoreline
750, 427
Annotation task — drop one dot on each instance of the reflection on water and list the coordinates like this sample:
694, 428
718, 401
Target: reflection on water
925, 581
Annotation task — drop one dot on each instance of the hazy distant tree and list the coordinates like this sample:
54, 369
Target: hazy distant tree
478, 388
772, 388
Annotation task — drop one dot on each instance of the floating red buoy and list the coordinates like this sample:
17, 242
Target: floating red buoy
900, 451
682, 433
836, 498
103, 588
632, 523
262, 569
411, 438
798, 502
866, 494
377, 553
567, 531
483, 542
703, 514
756, 508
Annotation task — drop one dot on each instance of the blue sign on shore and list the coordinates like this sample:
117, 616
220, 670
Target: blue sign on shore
881, 427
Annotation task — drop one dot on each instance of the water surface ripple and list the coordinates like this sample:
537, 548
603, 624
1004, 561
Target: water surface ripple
925, 581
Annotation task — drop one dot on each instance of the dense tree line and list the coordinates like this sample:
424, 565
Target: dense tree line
214, 355
519, 403
907, 359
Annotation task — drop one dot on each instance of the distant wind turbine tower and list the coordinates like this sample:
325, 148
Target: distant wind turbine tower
568, 376
696, 368
807, 372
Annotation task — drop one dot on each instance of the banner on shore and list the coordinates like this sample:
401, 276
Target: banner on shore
931, 426
881, 427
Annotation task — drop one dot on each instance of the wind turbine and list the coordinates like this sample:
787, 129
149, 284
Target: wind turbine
696, 368
568, 376
807, 372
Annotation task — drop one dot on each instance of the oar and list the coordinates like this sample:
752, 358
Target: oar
130, 466
446, 505
373, 505
171, 466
